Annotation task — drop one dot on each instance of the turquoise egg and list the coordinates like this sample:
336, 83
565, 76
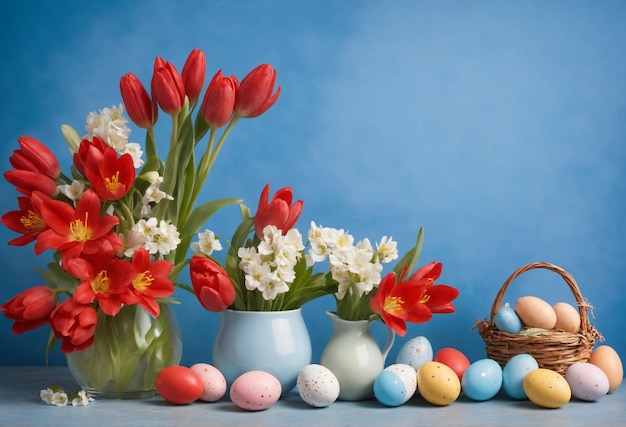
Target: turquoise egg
482, 380
389, 389
507, 320
514, 373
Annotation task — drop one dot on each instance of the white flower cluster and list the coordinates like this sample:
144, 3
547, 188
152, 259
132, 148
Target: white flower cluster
155, 236
56, 396
110, 125
270, 267
348, 262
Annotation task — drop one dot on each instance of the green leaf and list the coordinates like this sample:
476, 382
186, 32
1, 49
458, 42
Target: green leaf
52, 340
202, 213
57, 278
411, 258
201, 127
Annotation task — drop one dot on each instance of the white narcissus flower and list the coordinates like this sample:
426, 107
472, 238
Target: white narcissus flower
59, 398
160, 237
46, 395
387, 250
82, 399
135, 152
207, 243
132, 240
73, 191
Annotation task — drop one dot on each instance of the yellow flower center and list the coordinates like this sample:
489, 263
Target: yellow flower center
393, 304
113, 183
79, 231
142, 281
32, 221
100, 284
424, 299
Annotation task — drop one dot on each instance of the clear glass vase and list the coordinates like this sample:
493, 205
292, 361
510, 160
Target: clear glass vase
127, 353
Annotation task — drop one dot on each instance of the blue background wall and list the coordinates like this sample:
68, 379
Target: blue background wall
498, 126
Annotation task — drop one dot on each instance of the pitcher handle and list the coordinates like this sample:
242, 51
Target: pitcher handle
391, 337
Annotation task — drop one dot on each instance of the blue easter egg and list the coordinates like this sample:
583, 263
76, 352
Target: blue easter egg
507, 320
482, 380
514, 373
389, 389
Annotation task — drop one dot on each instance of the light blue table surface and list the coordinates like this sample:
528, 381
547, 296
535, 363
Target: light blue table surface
20, 405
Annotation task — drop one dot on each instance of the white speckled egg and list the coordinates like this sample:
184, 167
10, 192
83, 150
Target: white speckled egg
395, 385
587, 381
255, 390
213, 381
415, 352
317, 385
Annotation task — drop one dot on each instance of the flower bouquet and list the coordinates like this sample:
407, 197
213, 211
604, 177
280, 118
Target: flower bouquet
120, 226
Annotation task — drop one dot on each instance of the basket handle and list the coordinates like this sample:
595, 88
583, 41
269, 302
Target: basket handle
582, 305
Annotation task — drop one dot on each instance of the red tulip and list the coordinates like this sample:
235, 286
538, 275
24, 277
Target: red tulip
137, 102
35, 157
211, 284
89, 152
413, 300
113, 177
150, 281
254, 96
27, 220
219, 100
193, 74
167, 87
74, 324
29, 309
279, 212
28, 182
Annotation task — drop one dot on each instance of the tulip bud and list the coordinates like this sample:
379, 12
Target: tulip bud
137, 102
219, 100
167, 86
211, 284
29, 309
35, 157
193, 74
71, 137
279, 212
254, 96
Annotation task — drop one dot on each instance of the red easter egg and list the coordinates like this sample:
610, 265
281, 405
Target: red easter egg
179, 385
453, 359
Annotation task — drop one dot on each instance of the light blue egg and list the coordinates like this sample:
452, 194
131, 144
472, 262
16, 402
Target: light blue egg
514, 372
415, 352
482, 380
389, 389
507, 320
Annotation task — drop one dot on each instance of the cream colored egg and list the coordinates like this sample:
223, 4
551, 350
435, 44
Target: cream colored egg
535, 312
547, 388
607, 359
438, 384
567, 317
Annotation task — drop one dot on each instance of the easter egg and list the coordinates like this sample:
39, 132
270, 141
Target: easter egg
535, 312
567, 317
438, 384
454, 359
482, 380
587, 381
547, 388
514, 372
213, 381
255, 390
507, 320
178, 385
395, 385
317, 386
415, 352
607, 359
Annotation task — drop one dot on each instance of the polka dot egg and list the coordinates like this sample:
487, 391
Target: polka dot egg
255, 391
317, 386
395, 385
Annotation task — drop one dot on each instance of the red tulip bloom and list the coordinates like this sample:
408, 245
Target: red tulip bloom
89, 152
77, 231
29, 309
27, 220
254, 96
111, 176
211, 284
137, 102
193, 74
74, 324
219, 100
35, 157
167, 87
104, 279
28, 182
279, 212
414, 300
150, 282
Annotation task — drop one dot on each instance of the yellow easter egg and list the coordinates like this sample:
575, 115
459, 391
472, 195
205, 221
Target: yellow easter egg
438, 384
547, 388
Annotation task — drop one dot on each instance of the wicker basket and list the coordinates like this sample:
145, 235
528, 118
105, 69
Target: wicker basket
555, 350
